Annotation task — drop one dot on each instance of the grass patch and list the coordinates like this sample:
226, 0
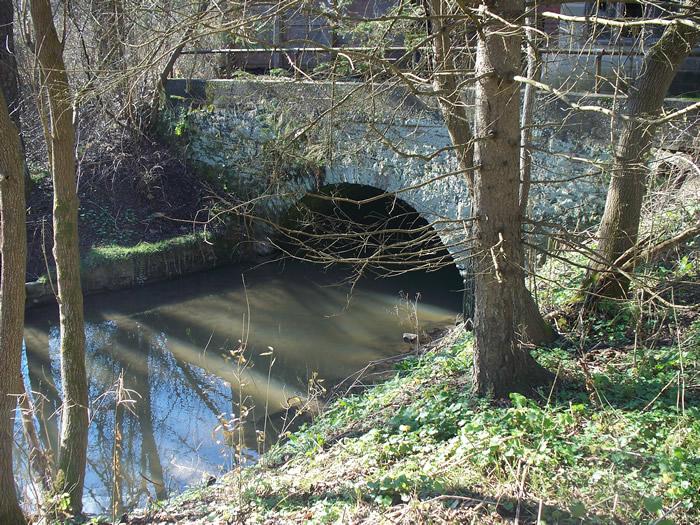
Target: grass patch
99, 255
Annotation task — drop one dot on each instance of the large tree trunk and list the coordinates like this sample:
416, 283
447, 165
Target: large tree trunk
13, 251
501, 366
9, 83
74, 419
454, 110
619, 226
8, 65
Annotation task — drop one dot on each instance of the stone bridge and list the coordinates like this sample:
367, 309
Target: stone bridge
271, 142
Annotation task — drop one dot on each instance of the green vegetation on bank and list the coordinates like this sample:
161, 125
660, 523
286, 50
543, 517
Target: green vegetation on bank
616, 441
113, 253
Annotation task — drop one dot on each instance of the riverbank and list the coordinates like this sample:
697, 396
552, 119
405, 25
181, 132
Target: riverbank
131, 192
111, 268
616, 441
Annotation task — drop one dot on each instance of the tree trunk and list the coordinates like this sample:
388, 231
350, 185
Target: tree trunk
454, 111
457, 122
9, 84
170, 64
108, 16
501, 366
532, 327
450, 99
619, 226
13, 251
74, 419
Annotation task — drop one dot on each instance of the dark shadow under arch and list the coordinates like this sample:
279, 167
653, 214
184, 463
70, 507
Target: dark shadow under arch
368, 230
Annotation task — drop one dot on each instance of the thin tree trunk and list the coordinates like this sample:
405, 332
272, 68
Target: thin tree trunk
529, 97
109, 33
501, 366
451, 102
619, 226
170, 64
72, 454
458, 123
118, 450
13, 250
532, 326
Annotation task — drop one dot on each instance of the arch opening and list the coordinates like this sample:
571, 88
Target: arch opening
369, 232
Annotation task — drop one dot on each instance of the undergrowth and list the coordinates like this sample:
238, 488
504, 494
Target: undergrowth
617, 440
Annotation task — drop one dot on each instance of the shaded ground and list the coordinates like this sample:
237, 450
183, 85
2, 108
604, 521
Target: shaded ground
130, 193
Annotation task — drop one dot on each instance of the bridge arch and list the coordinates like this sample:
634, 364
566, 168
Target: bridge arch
353, 222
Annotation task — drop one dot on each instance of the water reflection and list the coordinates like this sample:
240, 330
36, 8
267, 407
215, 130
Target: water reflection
166, 382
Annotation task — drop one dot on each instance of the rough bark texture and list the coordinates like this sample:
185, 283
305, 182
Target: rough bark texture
8, 76
619, 226
74, 419
8, 66
500, 365
454, 111
13, 250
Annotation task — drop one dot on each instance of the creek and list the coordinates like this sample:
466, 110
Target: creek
169, 365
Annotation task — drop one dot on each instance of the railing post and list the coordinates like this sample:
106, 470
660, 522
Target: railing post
598, 71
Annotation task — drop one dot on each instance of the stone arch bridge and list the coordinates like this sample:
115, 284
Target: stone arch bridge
271, 142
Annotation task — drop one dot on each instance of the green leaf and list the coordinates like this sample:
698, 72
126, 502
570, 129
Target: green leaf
578, 510
653, 504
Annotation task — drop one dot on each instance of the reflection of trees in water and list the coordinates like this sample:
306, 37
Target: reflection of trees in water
173, 355
112, 349
41, 382
126, 445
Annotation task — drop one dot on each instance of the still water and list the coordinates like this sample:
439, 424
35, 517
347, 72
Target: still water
179, 357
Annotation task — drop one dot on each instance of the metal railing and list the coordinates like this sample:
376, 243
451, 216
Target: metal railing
597, 53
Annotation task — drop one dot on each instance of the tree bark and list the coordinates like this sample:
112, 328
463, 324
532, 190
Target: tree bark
13, 250
501, 366
450, 98
9, 83
532, 326
454, 111
72, 453
619, 226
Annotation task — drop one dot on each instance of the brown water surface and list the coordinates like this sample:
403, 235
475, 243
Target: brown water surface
176, 347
